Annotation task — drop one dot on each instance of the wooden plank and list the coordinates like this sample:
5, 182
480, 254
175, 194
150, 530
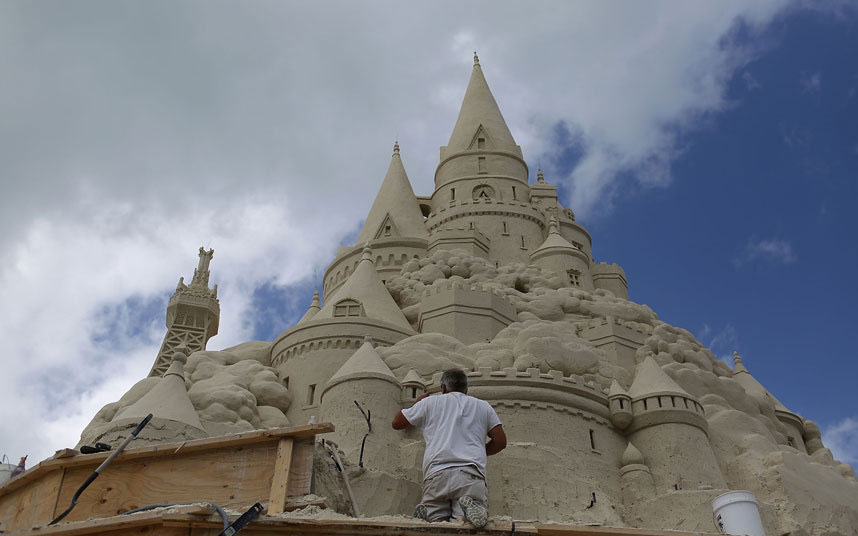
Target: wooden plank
583, 530
62, 458
31, 505
301, 470
117, 523
280, 480
234, 477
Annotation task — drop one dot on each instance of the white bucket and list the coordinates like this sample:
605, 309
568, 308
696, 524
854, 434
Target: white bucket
737, 512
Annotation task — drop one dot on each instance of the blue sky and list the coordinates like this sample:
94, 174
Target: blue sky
711, 150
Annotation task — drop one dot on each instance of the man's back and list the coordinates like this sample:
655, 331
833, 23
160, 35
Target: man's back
454, 426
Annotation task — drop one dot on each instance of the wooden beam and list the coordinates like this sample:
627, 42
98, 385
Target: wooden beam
586, 530
280, 481
62, 458
301, 471
97, 526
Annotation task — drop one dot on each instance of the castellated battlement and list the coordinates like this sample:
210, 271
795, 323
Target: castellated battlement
611, 321
389, 254
471, 313
661, 408
512, 388
448, 284
484, 207
610, 277
618, 338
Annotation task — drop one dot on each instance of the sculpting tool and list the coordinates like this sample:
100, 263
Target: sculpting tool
102, 467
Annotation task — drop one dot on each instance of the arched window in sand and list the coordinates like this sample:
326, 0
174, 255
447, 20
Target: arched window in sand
483, 192
348, 307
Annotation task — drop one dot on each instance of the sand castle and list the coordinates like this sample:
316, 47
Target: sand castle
613, 416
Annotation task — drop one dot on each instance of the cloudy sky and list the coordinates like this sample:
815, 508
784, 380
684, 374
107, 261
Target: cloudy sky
710, 148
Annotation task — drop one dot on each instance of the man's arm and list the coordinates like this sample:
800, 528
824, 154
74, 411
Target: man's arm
400, 422
497, 440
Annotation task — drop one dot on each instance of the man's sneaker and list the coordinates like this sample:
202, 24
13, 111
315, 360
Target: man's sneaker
475, 512
419, 512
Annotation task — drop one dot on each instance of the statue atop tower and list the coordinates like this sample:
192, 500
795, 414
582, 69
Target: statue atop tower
192, 315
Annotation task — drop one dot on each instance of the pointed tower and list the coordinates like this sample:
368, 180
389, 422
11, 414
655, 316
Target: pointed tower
395, 212
364, 295
307, 355
314, 308
395, 228
793, 424
173, 414
366, 379
481, 182
192, 315
564, 259
670, 430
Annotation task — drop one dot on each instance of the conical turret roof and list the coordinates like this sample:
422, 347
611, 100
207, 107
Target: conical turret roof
364, 363
750, 384
651, 379
480, 110
167, 400
395, 207
554, 240
412, 378
365, 287
632, 456
314, 308
616, 390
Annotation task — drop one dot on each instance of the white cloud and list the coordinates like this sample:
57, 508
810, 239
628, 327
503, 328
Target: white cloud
130, 138
772, 250
722, 343
842, 439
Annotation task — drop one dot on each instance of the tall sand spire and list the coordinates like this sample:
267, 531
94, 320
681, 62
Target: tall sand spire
395, 211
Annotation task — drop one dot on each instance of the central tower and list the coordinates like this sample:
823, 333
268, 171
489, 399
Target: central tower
481, 191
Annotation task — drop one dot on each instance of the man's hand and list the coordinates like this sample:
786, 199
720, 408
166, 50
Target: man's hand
497, 440
400, 422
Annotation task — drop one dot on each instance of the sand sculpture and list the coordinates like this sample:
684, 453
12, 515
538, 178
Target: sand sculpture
613, 416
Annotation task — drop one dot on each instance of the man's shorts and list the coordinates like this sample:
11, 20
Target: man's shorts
442, 489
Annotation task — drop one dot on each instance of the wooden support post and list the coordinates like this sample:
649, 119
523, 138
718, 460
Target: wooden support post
280, 481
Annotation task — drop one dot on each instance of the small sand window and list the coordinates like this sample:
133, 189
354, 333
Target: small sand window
513, 193
348, 307
574, 277
481, 143
522, 242
592, 440
452, 194
387, 230
311, 394
413, 392
505, 229
481, 164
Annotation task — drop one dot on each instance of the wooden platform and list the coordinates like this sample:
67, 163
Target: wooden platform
200, 520
235, 471
273, 467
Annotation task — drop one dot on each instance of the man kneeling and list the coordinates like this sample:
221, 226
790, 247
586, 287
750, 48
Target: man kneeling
454, 427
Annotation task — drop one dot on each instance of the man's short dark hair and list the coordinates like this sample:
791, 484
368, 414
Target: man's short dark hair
455, 380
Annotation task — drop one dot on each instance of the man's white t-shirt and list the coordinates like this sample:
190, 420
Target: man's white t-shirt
454, 426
